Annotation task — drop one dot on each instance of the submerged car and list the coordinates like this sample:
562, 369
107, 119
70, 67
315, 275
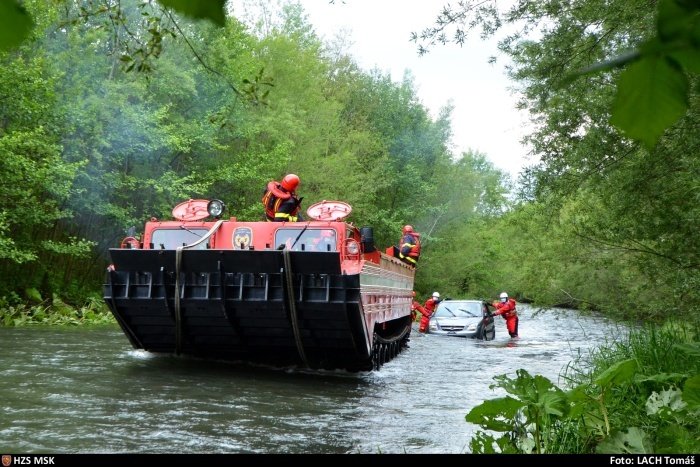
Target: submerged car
463, 318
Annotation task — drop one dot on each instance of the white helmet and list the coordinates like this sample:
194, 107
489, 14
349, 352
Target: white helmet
504, 296
436, 295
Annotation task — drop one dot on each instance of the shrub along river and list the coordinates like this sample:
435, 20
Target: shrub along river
85, 390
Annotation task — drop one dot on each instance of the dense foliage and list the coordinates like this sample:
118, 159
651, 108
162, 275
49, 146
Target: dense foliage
604, 222
90, 146
113, 112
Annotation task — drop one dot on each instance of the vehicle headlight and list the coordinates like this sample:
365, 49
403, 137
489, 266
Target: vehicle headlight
471, 327
432, 326
352, 247
215, 208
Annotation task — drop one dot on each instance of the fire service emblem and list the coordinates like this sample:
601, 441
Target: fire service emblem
242, 238
6, 460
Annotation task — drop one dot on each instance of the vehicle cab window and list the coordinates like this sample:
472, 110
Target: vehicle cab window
306, 240
170, 239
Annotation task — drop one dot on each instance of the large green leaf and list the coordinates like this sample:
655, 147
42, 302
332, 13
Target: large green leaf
619, 372
652, 94
688, 58
15, 24
632, 441
554, 403
209, 9
482, 443
660, 378
580, 401
495, 414
673, 20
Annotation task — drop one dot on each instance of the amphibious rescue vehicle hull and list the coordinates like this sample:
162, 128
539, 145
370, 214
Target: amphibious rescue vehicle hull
333, 309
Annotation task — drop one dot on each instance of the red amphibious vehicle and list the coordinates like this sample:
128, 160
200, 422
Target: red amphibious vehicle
314, 294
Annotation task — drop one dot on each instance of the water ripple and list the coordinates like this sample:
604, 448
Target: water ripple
86, 391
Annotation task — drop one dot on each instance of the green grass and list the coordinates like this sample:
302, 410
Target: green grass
55, 313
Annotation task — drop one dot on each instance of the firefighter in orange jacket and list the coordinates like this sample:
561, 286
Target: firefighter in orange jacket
416, 307
506, 308
409, 247
429, 307
281, 202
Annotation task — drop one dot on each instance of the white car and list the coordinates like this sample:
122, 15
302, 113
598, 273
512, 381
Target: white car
463, 318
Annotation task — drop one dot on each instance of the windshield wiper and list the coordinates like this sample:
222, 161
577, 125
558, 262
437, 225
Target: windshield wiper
450, 312
190, 231
300, 234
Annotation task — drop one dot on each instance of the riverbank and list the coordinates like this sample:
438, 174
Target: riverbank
637, 394
56, 312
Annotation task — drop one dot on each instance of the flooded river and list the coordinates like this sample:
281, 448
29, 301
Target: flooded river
87, 391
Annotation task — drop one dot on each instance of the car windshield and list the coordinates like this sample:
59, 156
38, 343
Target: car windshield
457, 309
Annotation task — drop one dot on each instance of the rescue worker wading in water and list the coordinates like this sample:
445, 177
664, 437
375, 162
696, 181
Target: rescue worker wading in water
409, 247
506, 308
281, 202
416, 307
429, 308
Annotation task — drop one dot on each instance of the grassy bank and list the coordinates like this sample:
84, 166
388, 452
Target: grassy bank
639, 394
55, 312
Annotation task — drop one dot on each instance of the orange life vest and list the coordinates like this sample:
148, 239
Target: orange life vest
414, 252
273, 198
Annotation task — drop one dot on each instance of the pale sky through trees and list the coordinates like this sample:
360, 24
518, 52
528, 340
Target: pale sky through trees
484, 117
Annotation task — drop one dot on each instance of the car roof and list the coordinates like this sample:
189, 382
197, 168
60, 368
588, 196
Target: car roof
472, 300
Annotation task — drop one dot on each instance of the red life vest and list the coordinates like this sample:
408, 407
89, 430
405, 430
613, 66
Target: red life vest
272, 204
413, 245
273, 198
415, 249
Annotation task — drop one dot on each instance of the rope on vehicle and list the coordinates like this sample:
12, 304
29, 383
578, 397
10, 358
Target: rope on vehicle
178, 293
289, 287
178, 316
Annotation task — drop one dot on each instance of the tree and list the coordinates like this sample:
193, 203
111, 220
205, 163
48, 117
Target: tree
652, 91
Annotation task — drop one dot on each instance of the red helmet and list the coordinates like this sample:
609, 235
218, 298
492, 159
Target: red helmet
290, 182
407, 229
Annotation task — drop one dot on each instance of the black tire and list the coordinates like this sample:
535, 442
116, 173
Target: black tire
490, 336
484, 335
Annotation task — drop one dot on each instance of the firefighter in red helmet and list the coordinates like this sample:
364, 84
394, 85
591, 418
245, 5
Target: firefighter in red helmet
408, 250
281, 201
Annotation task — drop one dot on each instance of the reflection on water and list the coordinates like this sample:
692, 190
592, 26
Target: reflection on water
86, 390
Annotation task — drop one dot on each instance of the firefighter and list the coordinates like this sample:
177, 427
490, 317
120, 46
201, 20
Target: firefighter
408, 250
416, 307
281, 201
429, 307
506, 308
